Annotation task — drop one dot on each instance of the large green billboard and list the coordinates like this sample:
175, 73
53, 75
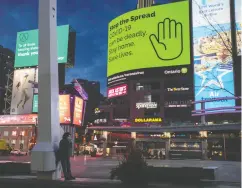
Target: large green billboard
27, 47
157, 36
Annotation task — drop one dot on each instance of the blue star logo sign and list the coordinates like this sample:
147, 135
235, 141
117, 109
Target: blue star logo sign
212, 77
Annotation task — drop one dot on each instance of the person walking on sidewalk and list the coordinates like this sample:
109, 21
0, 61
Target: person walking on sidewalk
65, 154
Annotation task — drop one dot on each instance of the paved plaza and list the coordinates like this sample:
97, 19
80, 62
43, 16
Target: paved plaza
99, 168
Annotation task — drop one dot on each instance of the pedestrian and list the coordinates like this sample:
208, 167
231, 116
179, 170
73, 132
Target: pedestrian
65, 150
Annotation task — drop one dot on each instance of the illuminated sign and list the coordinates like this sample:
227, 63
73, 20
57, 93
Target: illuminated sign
64, 109
97, 111
121, 120
151, 37
176, 89
176, 71
27, 119
78, 111
22, 91
80, 90
185, 145
27, 46
118, 91
148, 120
177, 104
146, 105
100, 121
213, 63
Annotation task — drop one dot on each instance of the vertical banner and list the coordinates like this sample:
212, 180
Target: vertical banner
22, 92
238, 22
213, 65
64, 109
78, 111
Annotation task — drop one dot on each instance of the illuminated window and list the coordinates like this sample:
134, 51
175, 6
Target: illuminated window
13, 141
21, 141
22, 133
14, 133
5, 133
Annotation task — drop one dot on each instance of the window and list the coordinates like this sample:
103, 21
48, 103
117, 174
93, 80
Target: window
13, 141
22, 133
147, 86
147, 98
139, 87
5, 133
21, 141
14, 133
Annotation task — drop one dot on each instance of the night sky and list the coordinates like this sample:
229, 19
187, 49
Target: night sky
89, 18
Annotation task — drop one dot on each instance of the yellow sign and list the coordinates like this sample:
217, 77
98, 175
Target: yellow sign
148, 120
151, 37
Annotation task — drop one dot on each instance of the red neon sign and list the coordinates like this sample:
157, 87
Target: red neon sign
118, 91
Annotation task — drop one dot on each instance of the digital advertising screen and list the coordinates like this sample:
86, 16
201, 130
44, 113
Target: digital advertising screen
152, 37
78, 111
26, 119
22, 91
238, 22
27, 45
35, 103
64, 109
118, 91
213, 65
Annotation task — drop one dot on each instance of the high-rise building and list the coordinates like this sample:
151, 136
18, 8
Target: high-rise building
6, 79
145, 3
93, 90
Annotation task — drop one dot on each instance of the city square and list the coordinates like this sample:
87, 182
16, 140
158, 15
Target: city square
155, 100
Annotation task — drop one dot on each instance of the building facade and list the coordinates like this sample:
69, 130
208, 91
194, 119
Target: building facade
93, 90
181, 111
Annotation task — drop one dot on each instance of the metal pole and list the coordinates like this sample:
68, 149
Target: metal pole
203, 117
225, 158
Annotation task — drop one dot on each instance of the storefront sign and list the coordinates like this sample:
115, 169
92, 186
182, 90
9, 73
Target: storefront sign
97, 111
177, 104
146, 105
185, 146
100, 121
27, 119
176, 89
148, 120
117, 91
64, 109
120, 120
78, 111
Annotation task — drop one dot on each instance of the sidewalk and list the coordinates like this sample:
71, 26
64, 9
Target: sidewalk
31, 181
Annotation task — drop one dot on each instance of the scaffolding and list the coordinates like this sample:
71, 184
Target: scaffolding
8, 92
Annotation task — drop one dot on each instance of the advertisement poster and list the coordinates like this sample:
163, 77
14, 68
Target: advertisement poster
22, 92
238, 10
213, 65
28, 44
118, 91
64, 109
27, 119
78, 111
156, 36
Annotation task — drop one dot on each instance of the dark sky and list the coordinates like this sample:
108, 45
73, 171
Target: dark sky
89, 18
